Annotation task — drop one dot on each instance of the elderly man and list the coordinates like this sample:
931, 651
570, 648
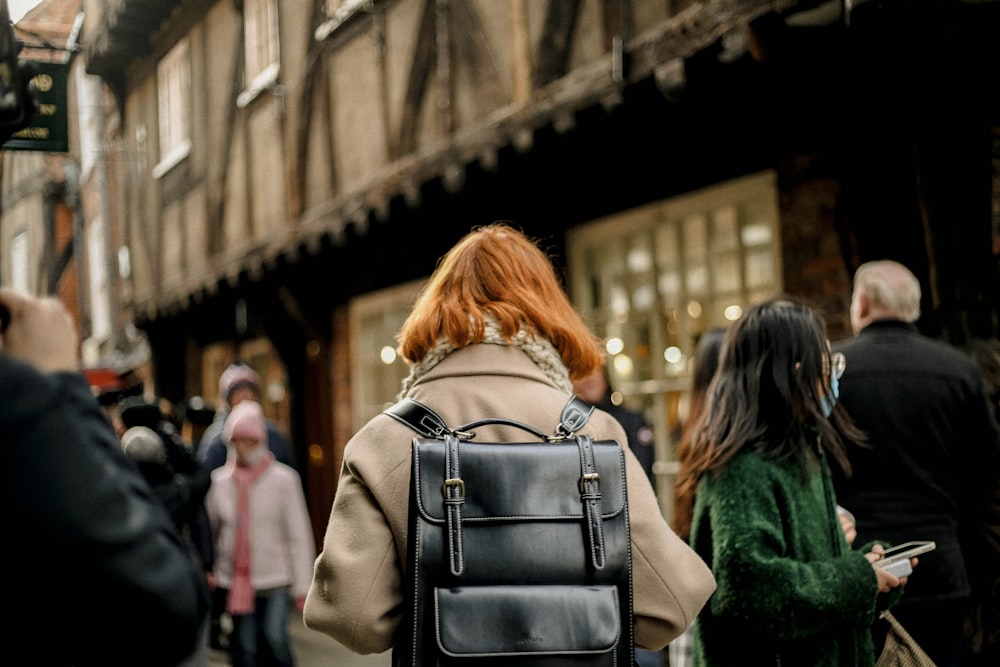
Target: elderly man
933, 455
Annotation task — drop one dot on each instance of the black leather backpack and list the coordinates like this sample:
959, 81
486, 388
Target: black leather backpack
518, 553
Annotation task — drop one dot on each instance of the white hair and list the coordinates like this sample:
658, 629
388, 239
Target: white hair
891, 289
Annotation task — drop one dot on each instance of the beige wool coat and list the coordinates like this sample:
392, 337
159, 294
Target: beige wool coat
356, 595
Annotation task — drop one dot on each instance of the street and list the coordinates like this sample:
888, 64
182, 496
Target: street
314, 649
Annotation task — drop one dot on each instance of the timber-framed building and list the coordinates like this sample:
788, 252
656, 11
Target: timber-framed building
280, 176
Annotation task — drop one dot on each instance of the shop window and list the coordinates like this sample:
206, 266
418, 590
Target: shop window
260, 355
652, 280
377, 372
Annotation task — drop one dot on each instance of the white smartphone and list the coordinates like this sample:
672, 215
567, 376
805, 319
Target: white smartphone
896, 560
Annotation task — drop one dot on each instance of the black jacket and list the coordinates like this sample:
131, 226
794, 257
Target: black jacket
934, 454
180, 482
640, 435
97, 573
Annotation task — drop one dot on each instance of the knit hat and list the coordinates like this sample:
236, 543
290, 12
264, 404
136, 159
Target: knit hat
237, 375
142, 443
245, 420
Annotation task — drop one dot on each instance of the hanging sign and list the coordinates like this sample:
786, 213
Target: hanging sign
49, 129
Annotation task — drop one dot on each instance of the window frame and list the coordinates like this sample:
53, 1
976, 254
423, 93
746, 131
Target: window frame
261, 49
374, 320
608, 274
173, 86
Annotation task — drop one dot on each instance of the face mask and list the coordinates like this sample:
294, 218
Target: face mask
827, 401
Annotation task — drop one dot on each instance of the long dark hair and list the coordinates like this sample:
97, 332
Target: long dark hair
767, 394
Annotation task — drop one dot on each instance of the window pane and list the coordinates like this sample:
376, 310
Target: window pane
725, 236
668, 262
756, 234
261, 29
760, 268
173, 86
640, 257
695, 237
376, 372
727, 273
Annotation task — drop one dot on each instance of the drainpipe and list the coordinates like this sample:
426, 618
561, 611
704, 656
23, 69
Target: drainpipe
47, 274
111, 234
71, 197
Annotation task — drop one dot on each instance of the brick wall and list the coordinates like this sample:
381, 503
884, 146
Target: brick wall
812, 245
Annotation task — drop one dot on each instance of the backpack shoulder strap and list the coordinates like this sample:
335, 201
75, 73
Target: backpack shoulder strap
574, 416
418, 417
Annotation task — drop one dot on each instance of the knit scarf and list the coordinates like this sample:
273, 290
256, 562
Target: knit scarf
241, 593
539, 350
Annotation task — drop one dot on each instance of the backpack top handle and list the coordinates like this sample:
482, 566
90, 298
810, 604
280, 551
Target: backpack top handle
429, 424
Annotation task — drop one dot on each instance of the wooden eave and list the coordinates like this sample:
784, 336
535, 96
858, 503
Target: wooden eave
659, 53
124, 31
123, 34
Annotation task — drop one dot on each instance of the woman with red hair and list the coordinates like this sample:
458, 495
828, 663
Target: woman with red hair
491, 334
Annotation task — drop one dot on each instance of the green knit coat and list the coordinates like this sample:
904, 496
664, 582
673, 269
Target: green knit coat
790, 590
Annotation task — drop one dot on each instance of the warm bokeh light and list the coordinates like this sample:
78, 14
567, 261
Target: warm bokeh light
673, 354
387, 354
623, 365
614, 345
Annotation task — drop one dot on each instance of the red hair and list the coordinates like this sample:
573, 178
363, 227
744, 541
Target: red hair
496, 272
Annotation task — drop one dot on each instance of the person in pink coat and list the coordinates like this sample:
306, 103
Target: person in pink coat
263, 541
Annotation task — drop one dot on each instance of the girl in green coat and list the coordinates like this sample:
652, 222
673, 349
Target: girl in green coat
790, 590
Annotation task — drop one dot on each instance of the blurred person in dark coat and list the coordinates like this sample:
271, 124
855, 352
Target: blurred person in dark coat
933, 454
238, 383
177, 477
99, 576
182, 492
596, 390
197, 415
706, 362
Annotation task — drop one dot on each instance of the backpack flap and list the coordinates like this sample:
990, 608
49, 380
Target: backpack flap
521, 508
510, 481
495, 621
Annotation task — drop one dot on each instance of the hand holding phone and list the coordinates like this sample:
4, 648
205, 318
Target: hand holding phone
896, 560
